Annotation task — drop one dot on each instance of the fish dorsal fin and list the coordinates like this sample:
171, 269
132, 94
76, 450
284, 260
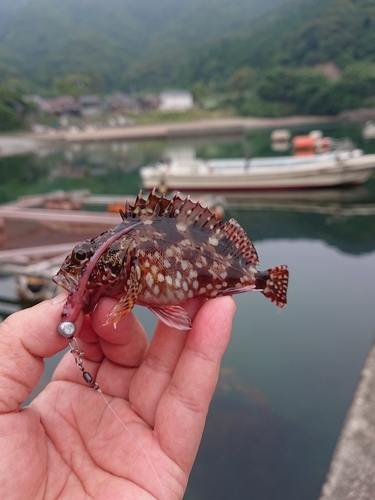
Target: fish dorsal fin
183, 210
237, 240
154, 205
191, 214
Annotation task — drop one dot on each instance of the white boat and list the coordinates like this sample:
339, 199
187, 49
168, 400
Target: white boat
368, 131
241, 174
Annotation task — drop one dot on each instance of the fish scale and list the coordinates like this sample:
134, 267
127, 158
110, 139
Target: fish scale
164, 253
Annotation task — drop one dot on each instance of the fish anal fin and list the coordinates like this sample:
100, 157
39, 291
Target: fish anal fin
277, 285
127, 302
174, 316
236, 239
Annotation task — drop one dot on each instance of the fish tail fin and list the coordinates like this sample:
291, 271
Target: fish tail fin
276, 285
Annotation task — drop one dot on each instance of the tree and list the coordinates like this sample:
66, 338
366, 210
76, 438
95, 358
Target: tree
73, 84
359, 79
242, 80
200, 92
13, 109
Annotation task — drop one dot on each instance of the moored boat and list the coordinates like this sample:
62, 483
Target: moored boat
286, 172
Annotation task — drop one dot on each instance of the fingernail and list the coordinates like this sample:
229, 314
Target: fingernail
61, 297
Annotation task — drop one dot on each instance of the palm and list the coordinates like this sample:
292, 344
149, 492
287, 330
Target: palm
99, 455
70, 441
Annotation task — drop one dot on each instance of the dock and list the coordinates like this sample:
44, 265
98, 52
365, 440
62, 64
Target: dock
351, 475
180, 130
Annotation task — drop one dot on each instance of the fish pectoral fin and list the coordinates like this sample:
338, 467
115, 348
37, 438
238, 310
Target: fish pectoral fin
174, 316
127, 302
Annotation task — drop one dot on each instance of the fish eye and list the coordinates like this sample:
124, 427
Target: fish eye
80, 254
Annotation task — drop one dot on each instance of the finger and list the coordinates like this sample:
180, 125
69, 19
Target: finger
183, 408
124, 343
27, 337
120, 350
154, 375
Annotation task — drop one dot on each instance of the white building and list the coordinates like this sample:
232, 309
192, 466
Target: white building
176, 100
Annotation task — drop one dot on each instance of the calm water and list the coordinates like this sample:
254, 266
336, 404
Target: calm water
289, 375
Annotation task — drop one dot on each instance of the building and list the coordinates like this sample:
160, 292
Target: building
176, 100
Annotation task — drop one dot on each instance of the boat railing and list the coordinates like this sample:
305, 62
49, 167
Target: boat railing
344, 144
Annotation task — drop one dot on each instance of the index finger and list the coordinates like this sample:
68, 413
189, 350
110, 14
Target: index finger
27, 337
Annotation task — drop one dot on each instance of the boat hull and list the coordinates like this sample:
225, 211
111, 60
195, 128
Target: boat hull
356, 170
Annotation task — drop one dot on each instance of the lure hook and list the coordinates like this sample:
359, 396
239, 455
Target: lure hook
67, 330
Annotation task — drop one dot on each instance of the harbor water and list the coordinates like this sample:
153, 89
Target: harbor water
288, 376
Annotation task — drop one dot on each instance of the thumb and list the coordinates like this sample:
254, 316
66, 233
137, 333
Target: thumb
27, 337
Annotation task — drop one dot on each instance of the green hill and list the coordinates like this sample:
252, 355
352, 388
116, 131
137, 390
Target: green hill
45, 39
262, 54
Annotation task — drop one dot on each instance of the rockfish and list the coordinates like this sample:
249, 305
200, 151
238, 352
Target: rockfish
162, 254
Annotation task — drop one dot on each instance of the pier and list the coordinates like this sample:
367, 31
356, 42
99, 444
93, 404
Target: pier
351, 475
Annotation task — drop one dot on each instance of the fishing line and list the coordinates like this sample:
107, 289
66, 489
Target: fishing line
67, 329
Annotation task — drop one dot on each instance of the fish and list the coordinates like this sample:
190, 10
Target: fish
162, 254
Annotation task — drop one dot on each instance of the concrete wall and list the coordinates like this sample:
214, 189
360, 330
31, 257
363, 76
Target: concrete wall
351, 475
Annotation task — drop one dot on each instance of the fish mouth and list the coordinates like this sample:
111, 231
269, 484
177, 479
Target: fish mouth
68, 282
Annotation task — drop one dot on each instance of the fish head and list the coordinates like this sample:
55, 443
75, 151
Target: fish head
105, 268
73, 266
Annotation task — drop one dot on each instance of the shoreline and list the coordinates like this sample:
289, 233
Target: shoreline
223, 126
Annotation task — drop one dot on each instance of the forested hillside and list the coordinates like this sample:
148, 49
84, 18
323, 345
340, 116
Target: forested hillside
42, 39
261, 57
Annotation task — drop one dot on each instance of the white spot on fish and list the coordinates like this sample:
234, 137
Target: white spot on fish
156, 289
193, 273
168, 279
147, 222
223, 275
166, 263
154, 269
185, 286
212, 272
190, 294
169, 252
180, 294
184, 264
195, 284
213, 241
160, 278
180, 227
149, 279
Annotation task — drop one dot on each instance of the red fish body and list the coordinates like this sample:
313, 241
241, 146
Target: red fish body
164, 253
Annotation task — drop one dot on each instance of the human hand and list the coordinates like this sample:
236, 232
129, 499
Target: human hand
68, 443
